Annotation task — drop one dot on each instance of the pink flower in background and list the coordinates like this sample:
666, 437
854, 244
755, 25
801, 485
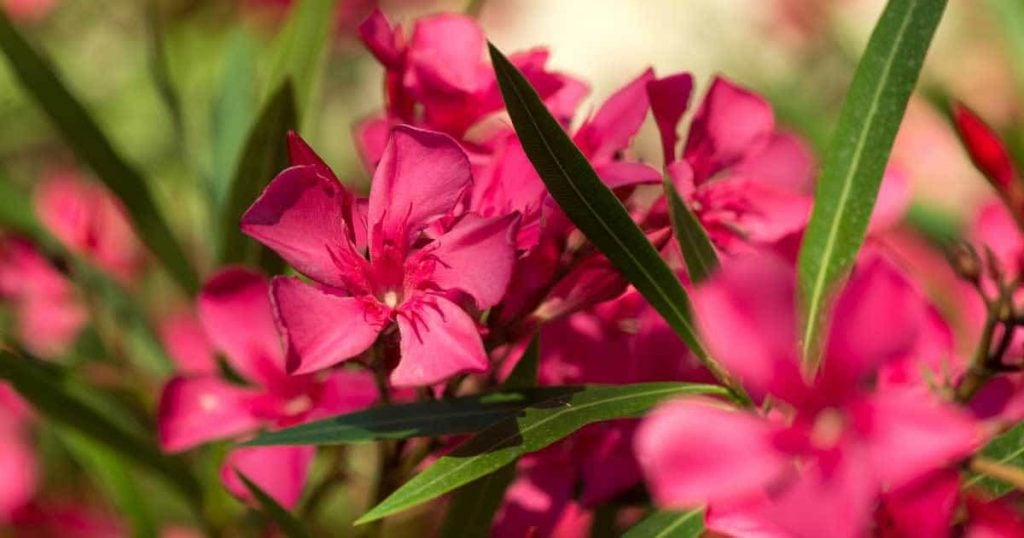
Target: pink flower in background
816, 462
199, 406
17, 456
48, 313
90, 222
746, 181
413, 276
28, 10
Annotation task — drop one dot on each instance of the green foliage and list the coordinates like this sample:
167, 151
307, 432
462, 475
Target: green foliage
665, 524
298, 51
289, 525
857, 156
537, 427
92, 147
1007, 449
698, 252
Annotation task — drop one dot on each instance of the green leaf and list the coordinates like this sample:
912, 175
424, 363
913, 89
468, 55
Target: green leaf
698, 252
1007, 449
664, 524
1009, 14
265, 154
536, 428
92, 147
232, 115
455, 416
43, 386
289, 525
857, 156
473, 506
113, 476
16, 211
592, 206
299, 48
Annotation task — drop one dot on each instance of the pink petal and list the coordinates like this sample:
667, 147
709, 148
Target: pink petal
877, 318
669, 97
695, 451
438, 340
18, 467
234, 308
753, 295
280, 471
197, 410
382, 40
910, 433
447, 50
985, 148
994, 519
627, 174
301, 216
321, 326
730, 124
615, 124
994, 228
893, 201
785, 162
185, 341
371, 137
420, 177
923, 508
345, 391
476, 256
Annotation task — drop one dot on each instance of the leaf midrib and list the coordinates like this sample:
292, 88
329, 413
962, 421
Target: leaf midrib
819, 282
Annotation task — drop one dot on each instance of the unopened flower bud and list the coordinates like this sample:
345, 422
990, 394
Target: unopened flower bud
965, 262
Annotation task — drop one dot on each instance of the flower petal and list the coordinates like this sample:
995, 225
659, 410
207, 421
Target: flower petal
345, 391
476, 256
18, 467
438, 340
193, 411
610, 130
321, 326
185, 341
730, 124
694, 451
669, 97
280, 471
301, 216
420, 177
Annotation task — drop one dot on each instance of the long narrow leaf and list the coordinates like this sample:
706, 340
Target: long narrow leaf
298, 49
698, 252
663, 524
456, 416
289, 525
537, 428
265, 154
40, 384
1007, 449
472, 507
857, 156
592, 206
92, 147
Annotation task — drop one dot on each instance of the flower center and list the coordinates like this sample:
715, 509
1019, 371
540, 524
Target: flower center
390, 298
828, 428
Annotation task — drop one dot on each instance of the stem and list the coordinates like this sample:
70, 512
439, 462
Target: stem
1005, 473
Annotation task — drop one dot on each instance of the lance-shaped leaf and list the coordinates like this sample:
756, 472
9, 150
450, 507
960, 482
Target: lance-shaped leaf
473, 506
665, 524
43, 386
592, 206
91, 146
538, 427
455, 416
289, 525
858, 153
1006, 449
265, 154
698, 251
298, 50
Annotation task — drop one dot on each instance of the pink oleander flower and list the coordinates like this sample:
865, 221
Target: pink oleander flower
816, 462
416, 271
746, 181
89, 221
17, 456
48, 314
198, 406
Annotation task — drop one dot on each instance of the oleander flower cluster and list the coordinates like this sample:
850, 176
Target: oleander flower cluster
459, 269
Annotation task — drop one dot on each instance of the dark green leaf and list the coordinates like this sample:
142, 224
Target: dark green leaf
42, 386
1007, 449
664, 524
92, 147
698, 252
289, 525
592, 206
536, 428
298, 49
858, 153
456, 416
265, 154
473, 506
